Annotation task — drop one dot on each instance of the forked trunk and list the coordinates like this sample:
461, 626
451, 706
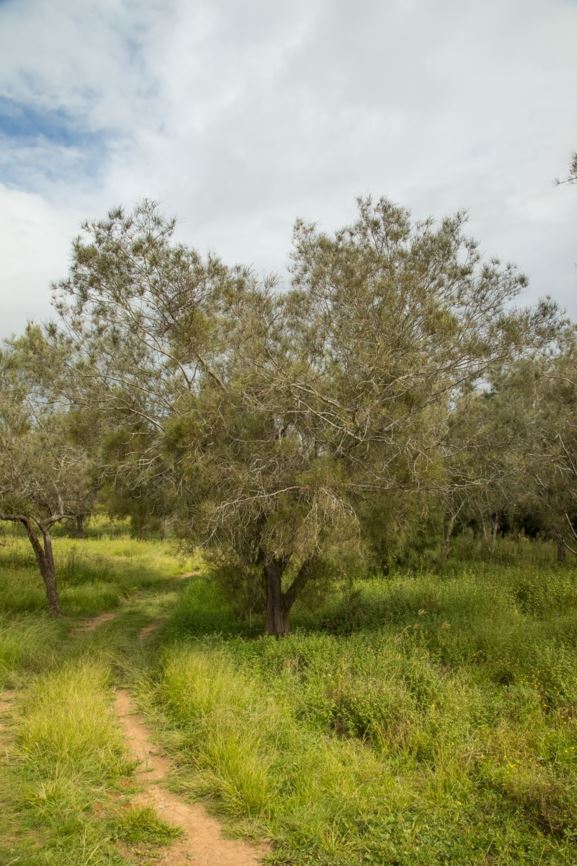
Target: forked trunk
279, 603
42, 552
45, 559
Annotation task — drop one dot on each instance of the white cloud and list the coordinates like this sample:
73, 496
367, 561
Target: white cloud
239, 115
34, 243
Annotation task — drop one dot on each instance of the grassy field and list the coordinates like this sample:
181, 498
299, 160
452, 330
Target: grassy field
418, 719
66, 784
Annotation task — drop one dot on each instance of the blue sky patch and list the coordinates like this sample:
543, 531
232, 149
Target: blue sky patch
29, 132
26, 123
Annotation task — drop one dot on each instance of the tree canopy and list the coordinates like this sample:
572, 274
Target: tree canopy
284, 429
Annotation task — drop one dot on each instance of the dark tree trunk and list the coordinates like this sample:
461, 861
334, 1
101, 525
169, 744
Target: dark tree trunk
279, 603
561, 550
80, 525
277, 610
50, 575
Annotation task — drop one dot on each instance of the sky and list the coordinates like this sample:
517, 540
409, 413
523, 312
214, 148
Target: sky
238, 116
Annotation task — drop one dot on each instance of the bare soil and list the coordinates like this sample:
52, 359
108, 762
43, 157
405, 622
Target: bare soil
149, 629
202, 842
6, 699
90, 625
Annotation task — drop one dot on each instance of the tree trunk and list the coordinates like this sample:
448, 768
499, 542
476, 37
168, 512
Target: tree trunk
50, 575
561, 551
80, 526
44, 555
45, 560
448, 534
494, 533
445, 547
277, 609
279, 603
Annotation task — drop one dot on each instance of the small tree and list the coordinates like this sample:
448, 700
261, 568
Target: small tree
44, 477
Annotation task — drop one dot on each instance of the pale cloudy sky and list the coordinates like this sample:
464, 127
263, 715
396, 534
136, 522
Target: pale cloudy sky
240, 115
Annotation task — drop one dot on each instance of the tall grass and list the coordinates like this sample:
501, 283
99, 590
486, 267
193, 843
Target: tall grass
420, 720
63, 786
94, 574
27, 643
68, 752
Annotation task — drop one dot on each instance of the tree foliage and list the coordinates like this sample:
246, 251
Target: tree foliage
281, 428
46, 474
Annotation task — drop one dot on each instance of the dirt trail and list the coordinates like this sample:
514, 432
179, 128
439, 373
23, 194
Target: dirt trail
149, 629
202, 842
6, 699
90, 625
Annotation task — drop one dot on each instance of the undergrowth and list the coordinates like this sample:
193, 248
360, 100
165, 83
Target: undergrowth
417, 720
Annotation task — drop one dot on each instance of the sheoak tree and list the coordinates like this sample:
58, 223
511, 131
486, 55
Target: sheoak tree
274, 418
44, 477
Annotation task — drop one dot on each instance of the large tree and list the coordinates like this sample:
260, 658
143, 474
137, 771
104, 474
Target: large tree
273, 420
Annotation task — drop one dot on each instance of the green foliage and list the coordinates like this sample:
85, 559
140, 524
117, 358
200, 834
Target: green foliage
291, 431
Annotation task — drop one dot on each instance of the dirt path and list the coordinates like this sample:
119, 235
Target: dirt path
94, 622
149, 629
90, 625
6, 699
202, 842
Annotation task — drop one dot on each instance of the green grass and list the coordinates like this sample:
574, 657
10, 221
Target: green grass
65, 790
141, 824
67, 754
27, 643
418, 720
94, 574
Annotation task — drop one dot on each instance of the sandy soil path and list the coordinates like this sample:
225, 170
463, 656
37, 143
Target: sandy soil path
94, 622
6, 699
202, 842
90, 625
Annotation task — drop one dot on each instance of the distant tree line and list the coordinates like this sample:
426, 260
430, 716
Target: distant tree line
394, 389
